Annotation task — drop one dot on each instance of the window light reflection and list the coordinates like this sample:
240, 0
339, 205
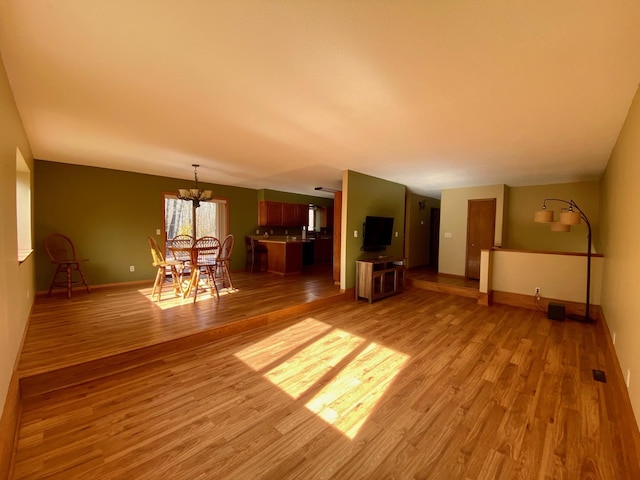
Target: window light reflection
312, 351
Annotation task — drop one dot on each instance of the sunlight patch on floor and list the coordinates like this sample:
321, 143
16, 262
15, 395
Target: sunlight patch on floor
347, 401
350, 372
260, 354
304, 369
170, 299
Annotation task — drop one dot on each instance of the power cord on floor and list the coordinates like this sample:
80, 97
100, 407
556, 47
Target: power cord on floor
537, 303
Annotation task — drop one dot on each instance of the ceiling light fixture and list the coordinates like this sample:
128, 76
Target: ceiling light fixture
195, 194
327, 189
571, 215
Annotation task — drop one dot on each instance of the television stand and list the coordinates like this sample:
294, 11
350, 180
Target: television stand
379, 278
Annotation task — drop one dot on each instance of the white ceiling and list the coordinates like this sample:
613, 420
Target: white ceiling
286, 95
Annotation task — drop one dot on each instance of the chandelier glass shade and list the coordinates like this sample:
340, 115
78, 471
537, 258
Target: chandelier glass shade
195, 194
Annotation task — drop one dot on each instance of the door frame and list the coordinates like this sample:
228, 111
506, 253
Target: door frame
493, 229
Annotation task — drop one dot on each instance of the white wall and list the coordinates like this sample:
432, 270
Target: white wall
620, 228
16, 280
559, 277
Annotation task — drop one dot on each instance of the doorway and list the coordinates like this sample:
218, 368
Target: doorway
481, 224
434, 238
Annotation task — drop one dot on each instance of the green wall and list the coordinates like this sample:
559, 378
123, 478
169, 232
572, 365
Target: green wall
110, 213
524, 234
286, 197
417, 225
366, 195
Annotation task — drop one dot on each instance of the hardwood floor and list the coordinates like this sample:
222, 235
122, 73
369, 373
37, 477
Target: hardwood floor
428, 279
111, 321
420, 385
428, 274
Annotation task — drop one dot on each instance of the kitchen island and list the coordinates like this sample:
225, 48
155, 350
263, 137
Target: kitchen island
284, 254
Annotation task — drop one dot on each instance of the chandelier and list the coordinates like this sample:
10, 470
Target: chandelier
194, 194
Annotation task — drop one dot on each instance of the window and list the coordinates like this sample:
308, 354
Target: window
312, 218
209, 219
23, 207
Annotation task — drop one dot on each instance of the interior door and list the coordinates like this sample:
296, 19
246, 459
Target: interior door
481, 225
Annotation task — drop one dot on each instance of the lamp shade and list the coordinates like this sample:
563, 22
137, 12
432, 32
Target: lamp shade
569, 217
543, 216
560, 227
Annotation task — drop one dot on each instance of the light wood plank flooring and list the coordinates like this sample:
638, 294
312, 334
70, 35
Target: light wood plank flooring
420, 385
111, 321
428, 274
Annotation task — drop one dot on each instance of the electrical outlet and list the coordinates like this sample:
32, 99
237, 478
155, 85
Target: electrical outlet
537, 292
355, 234
157, 231
396, 234
132, 268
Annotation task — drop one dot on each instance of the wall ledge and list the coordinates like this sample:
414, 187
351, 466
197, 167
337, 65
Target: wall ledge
545, 252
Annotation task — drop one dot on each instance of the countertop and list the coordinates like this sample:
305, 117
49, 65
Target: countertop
283, 240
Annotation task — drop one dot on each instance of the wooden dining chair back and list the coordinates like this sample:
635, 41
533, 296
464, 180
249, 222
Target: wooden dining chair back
256, 254
62, 253
207, 250
224, 260
162, 265
181, 241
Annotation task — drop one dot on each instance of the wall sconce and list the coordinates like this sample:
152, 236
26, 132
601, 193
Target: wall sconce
571, 215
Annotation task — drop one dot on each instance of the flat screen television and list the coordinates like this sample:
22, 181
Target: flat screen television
377, 233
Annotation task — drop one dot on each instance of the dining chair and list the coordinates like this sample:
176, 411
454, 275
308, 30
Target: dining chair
206, 251
162, 265
256, 254
181, 241
224, 260
62, 253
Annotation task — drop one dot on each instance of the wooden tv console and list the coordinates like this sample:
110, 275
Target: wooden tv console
379, 278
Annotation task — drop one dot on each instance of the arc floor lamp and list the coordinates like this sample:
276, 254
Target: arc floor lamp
570, 215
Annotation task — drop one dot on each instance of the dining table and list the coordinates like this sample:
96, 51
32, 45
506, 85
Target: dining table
194, 279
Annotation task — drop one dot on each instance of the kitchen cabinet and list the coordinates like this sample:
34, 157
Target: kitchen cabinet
284, 256
289, 214
269, 214
302, 214
280, 214
323, 248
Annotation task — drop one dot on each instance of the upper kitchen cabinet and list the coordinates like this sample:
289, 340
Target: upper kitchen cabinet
279, 214
269, 214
